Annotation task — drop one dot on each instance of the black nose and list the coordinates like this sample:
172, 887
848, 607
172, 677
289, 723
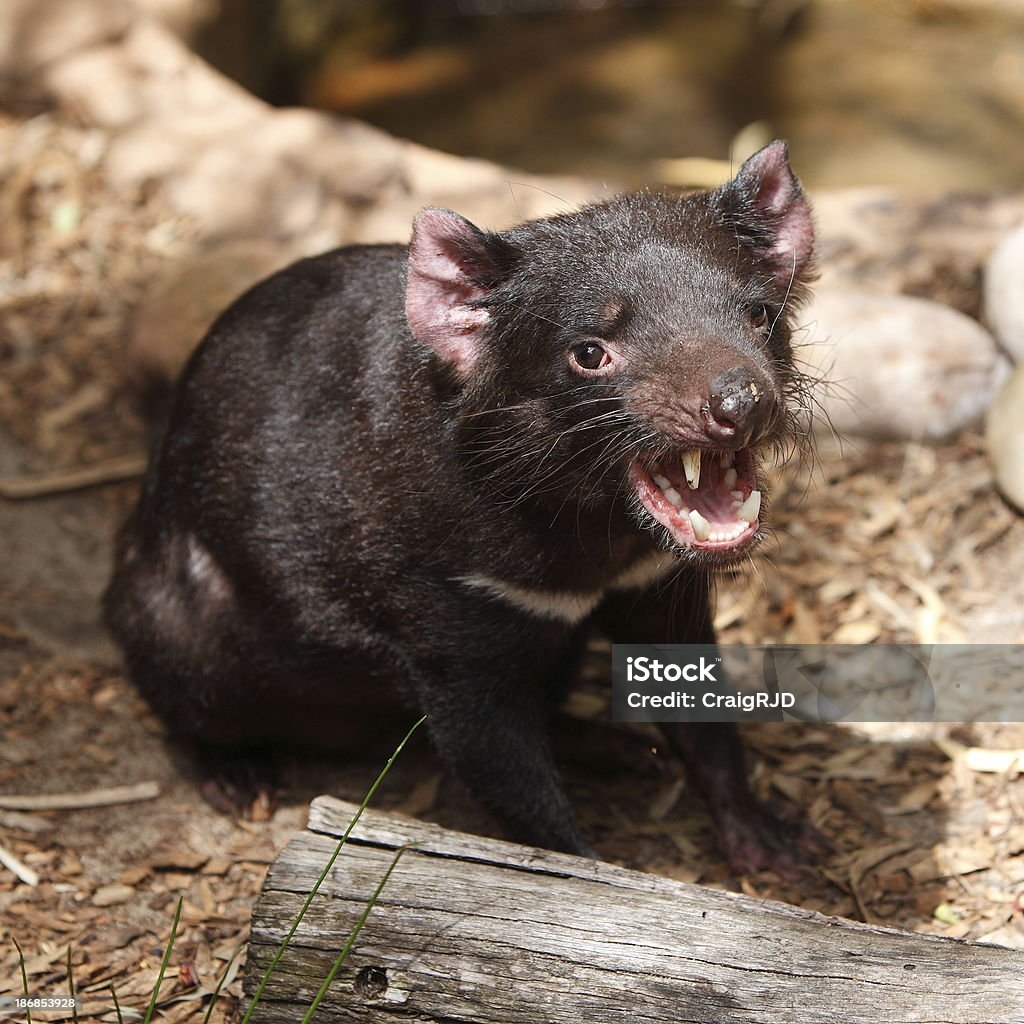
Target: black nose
740, 407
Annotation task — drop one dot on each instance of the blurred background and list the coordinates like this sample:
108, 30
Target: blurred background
905, 92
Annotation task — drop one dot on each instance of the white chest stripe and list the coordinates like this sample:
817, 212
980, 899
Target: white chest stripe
562, 605
569, 606
644, 572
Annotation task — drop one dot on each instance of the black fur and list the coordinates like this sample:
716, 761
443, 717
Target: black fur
326, 481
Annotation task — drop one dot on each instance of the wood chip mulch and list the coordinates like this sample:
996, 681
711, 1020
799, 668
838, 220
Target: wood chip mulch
875, 542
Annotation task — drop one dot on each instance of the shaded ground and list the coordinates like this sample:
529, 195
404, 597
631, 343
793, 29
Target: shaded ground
890, 542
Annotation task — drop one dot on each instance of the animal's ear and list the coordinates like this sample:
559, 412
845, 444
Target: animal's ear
766, 203
453, 266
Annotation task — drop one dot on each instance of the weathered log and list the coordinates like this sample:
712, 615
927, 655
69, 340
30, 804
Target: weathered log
471, 929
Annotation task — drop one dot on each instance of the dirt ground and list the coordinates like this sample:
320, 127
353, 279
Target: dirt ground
891, 542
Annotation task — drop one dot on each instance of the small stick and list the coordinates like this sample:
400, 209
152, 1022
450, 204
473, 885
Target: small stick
41, 485
72, 801
22, 871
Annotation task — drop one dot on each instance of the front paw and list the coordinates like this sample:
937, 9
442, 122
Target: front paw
237, 786
755, 837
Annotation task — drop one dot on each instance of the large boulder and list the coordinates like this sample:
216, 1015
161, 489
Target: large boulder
925, 243
898, 367
1004, 293
36, 35
1004, 435
252, 186
183, 301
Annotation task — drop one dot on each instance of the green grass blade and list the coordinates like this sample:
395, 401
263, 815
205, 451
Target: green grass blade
353, 935
24, 977
151, 1009
215, 995
272, 966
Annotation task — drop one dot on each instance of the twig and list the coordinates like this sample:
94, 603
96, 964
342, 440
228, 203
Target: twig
72, 801
22, 871
24, 822
41, 485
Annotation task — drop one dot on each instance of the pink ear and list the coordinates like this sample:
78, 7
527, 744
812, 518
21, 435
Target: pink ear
775, 202
450, 267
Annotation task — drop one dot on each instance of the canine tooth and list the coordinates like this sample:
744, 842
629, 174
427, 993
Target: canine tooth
673, 495
701, 527
661, 481
749, 509
730, 478
691, 467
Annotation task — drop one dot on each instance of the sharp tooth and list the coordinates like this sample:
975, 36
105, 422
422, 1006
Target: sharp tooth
661, 481
730, 478
749, 509
701, 527
673, 495
691, 467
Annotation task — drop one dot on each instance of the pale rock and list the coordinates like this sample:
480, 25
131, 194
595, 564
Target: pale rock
287, 172
1004, 293
230, 164
183, 17
924, 242
37, 33
1004, 435
102, 85
183, 301
491, 196
150, 75
897, 367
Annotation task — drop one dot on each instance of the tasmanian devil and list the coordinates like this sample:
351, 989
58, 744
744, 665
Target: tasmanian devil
437, 466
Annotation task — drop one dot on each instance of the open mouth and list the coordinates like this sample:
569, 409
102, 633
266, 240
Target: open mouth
707, 499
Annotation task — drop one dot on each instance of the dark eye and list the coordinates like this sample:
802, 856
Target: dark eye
759, 314
591, 356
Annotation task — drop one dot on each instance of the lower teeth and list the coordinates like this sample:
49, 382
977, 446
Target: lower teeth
701, 527
748, 510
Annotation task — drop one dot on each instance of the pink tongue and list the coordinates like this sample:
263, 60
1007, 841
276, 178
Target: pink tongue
713, 503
